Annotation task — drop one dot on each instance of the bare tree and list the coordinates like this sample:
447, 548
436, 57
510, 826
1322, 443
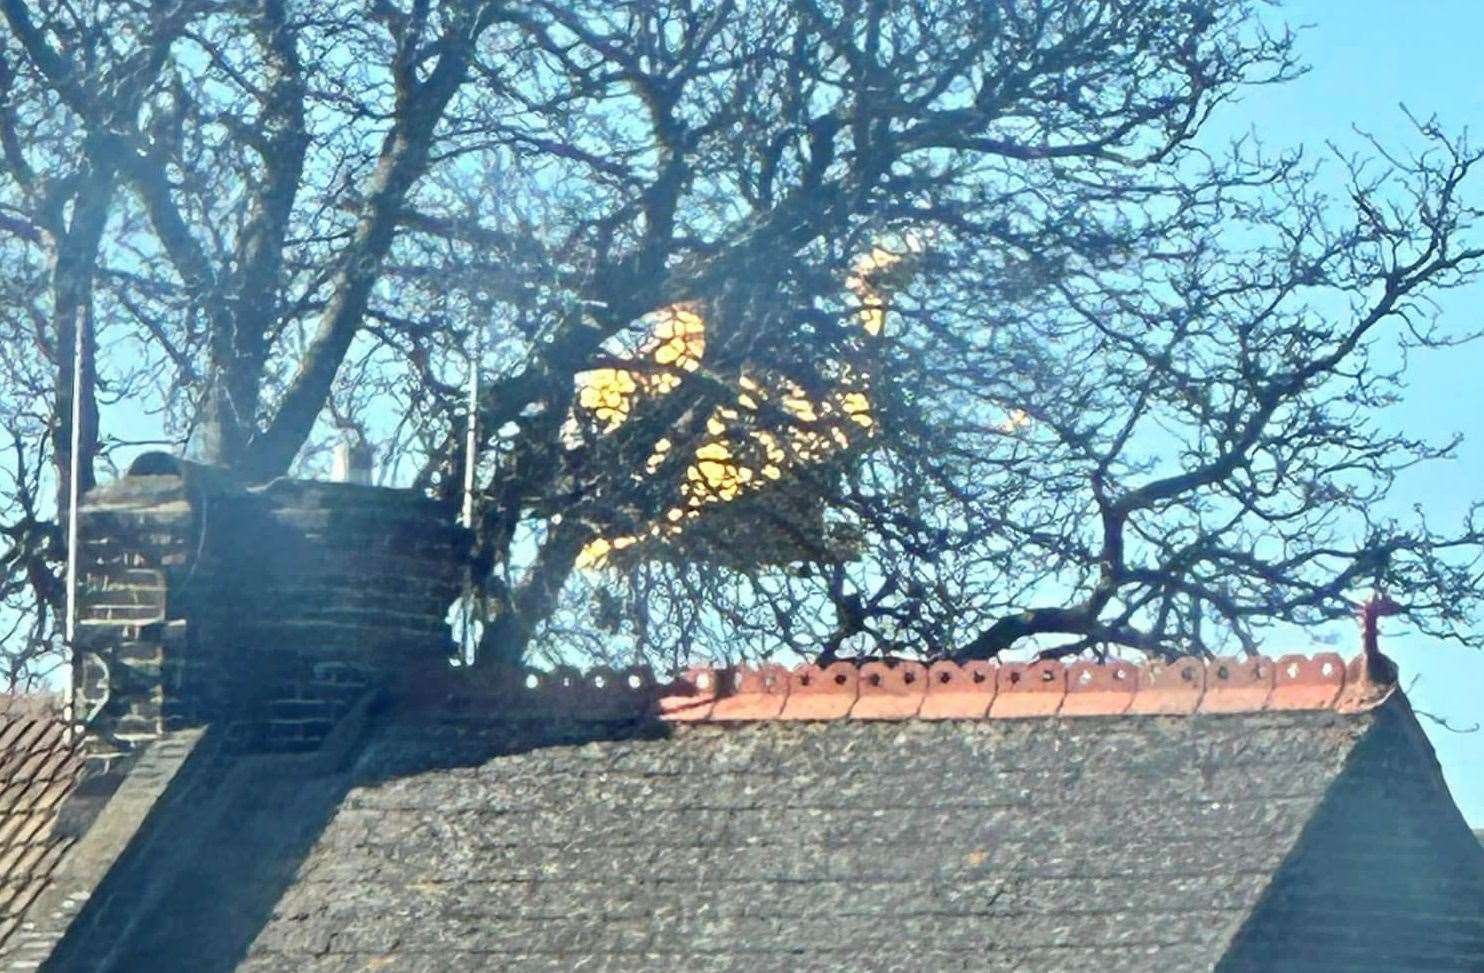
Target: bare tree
59, 197
918, 327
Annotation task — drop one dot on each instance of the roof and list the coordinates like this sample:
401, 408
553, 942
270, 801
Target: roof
833, 827
808, 846
39, 767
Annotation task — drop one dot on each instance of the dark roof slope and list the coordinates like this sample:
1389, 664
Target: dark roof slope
1385, 877
39, 766
1235, 816
1107, 843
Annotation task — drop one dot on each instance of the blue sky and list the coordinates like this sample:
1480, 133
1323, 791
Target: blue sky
1369, 57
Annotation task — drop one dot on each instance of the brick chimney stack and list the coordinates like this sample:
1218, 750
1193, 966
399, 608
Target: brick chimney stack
268, 610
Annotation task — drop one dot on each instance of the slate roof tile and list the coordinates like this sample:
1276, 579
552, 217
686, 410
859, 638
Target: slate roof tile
1142, 821
39, 766
1055, 844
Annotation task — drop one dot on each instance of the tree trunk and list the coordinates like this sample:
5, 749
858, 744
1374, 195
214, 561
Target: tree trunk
74, 263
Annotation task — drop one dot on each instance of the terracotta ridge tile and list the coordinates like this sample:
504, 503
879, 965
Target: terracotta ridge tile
908, 690
959, 691
1026, 689
1237, 685
1100, 689
890, 692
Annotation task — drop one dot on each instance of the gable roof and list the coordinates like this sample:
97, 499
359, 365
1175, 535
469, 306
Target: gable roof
1386, 876
40, 765
1130, 842
562, 830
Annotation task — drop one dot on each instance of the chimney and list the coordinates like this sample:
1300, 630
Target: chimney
352, 461
267, 610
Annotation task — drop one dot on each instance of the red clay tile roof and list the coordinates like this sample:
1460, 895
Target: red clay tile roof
40, 764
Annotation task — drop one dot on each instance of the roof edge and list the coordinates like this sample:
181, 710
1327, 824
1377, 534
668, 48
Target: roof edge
129, 795
917, 691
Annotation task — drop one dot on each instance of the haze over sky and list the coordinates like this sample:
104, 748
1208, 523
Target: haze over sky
1368, 57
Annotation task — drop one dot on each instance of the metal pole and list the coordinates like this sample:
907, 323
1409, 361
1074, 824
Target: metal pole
471, 463
74, 476
471, 441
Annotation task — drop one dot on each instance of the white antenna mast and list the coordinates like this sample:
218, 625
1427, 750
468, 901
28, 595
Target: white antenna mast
74, 478
471, 464
471, 440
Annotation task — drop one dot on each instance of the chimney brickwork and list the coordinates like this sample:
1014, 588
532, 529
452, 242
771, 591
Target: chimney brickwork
270, 610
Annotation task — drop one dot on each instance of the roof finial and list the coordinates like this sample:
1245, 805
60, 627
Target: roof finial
1378, 669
